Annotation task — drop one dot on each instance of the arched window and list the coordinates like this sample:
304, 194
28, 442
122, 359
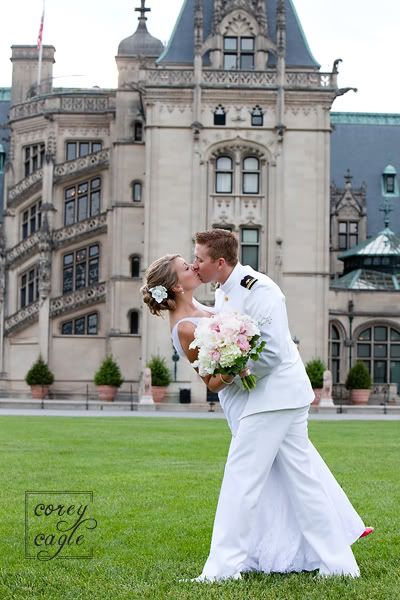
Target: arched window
135, 266
224, 175
219, 115
134, 322
251, 175
257, 117
334, 352
137, 191
378, 347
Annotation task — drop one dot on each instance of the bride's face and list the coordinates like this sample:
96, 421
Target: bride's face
187, 278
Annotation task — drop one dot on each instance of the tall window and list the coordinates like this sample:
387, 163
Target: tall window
219, 115
31, 219
257, 117
83, 325
334, 352
137, 191
135, 266
348, 234
77, 149
251, 175
250, 247
138, 131
134, 322
29, 286
82, 200
33, 158
224, 175
81, 268
378, 348
238, 53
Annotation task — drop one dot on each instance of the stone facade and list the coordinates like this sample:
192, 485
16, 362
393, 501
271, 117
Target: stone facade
99, 183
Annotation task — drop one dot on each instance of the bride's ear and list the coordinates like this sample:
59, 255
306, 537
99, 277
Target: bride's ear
178, 289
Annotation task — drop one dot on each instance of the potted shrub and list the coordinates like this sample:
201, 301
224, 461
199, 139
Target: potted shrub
108, 379
359, 383
160, 377
315, 370
40, 378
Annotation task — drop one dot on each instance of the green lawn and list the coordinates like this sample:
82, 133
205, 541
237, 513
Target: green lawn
155, 483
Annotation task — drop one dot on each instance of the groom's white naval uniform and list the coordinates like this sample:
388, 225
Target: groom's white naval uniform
269, 423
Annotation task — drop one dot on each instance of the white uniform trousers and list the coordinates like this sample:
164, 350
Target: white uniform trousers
262, 437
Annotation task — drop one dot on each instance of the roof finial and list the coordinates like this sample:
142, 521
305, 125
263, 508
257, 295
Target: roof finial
142, 10
386, 208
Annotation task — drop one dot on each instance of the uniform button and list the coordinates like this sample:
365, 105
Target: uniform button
226, 298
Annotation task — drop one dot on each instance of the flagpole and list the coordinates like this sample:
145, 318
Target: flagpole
40, 48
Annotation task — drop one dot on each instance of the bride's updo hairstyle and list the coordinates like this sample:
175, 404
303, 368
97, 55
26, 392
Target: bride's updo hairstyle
160, 272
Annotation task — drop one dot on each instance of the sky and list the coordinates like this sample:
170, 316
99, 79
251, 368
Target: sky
86, 34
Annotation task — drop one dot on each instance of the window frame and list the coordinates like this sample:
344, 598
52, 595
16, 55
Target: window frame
76, 270
256, 245
256, 172
78, 144
229, 172
347, 234
134, 312
30, 283
238, 52
77, 195
138, 258
73, 321
35, 159
31, 223
134, 185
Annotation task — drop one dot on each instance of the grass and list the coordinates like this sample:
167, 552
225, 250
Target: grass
156, 483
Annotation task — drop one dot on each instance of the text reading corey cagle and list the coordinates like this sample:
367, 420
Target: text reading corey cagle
59, 525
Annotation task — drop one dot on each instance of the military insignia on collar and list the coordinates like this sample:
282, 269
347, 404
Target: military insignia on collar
248, 281
217, 286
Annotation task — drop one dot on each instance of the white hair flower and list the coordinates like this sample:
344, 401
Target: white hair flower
159, 292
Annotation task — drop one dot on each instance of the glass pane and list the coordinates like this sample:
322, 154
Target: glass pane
380, 350
95, 183
66, 328
367, 363
250, 164
353, 227
68, 259
230, 61
135, 271
134, 322
250, 236
81, 255
247, 61
23, 297
96, 146
137, 192
250, 183
342, 227
93, 271
80, 276
395, 351
363, 350
395, 335
224, 163
69, 212
71, 150
24, 231
334, 333
342, 242
82, 208
250, 256
257, 120
230, 43
395, 373
83, 149
67, 283
80, 326
247, 43
31, 292
70, 193
335, 371
92, 324
380, 334
353, 240
365, 335
335, 349
95, 204
380, 371
224, 183
83, 188
94, 250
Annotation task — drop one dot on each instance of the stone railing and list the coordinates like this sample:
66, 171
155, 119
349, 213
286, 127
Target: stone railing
310, 80
24, 188
167, 77
80, 298
72, 233
22, 318
240, 78
22, 250
74, 167
67, 103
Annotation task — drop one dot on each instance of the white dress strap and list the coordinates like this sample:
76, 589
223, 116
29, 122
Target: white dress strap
175, 336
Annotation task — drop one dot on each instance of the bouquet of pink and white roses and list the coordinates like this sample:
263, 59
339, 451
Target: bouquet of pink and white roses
226, 343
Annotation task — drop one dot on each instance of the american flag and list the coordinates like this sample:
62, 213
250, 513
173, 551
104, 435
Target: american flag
40, 35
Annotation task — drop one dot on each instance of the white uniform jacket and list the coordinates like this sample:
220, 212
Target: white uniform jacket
282, 378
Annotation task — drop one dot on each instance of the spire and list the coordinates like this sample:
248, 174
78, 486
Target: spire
281, 27
198, 25
143, 10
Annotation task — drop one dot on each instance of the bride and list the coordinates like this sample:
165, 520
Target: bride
276, 541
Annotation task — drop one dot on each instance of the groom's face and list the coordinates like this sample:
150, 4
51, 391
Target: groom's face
206, 268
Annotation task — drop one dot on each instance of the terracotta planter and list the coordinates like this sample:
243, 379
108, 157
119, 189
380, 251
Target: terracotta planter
158, 393
39, 391
107, 393
317, 392
359, 396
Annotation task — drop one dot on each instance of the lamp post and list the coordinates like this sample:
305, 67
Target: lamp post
175, 359
350, 309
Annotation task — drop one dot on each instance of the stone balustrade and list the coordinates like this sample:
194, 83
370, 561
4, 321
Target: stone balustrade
23, 250
63, 103
71, 168
72, 233
22, 318
78, 299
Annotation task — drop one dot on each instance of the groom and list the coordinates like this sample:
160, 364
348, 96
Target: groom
268, 423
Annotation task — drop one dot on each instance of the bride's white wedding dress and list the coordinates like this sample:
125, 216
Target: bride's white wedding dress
277, 544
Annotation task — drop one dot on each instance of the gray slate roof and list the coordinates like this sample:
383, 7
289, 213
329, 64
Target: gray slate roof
366, 143
180, 47
4, 134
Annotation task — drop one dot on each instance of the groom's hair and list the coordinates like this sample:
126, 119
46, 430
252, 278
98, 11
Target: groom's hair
220, 243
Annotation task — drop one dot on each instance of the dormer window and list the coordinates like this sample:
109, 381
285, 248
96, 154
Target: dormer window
389, 182
219, 115
238, 53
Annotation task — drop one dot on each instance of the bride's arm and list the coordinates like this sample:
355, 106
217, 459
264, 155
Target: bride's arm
213, 382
